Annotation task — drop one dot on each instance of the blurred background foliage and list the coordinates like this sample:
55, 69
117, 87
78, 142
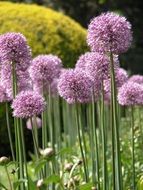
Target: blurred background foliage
83, 10
46, 30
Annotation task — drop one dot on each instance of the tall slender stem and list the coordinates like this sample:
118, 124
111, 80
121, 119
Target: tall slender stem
94, 142
81, 126
115, 124
104, 142
34, 140
133, 147
80, 142
9, 131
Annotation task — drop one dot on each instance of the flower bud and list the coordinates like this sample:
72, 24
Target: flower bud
47, 152
93, 188
68, 167
40, 182
4, 160
79, 162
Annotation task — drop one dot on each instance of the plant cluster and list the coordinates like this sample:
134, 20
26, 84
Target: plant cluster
80, 112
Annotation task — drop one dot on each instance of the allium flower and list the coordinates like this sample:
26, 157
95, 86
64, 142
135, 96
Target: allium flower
14, 49
130, 93
121, 77
136, 78
96, 65
44, 69
75, 86
3, 95
27, 104
38, 122
109, 32
23, 79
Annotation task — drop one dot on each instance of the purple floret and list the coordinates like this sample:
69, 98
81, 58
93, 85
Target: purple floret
43, 70
109, 32
27, 104
75, 86
130, 93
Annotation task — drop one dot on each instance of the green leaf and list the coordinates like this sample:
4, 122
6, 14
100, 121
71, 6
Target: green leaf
32, 185
11, 163
40, 165
65, 151
52, 179
1, 185
17, 183
86, 186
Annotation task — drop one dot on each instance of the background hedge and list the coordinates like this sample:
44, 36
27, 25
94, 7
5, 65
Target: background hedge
47, 31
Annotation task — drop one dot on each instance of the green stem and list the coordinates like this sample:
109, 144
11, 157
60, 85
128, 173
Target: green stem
10, 184
34, 140
133, 147
94, 143
81, 126
9, 131
80, 142
113, 148
104, 142
115, 124
24, 151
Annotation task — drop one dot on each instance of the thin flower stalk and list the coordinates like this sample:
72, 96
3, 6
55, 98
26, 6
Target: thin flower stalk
104, 141
80, 142
133, 148
95, 141
115, 124
9, 131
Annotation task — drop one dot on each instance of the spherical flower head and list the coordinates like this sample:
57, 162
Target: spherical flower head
23, 79
3, 95
28, 104
47, 89
130, 93
14, 49
121, 77
75, 86
44, 69
136, 78
109, 32
96, 65
36, 121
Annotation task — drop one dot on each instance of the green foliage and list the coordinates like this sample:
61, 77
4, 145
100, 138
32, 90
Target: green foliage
47, 31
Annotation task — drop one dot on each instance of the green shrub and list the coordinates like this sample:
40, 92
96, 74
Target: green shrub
47, 31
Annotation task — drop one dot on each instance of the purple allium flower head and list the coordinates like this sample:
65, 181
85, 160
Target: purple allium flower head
130, 93
14, 49
23, 79
37, 120
109, 32
45, 68
27, 104
121, 77
51, 88
96, 65
3, 95
136, 78
75, 86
